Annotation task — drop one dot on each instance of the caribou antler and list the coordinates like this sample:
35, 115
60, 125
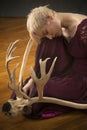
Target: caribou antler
13, 107
9, 57
40, 83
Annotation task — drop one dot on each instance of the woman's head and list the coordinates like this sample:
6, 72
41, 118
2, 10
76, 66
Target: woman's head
40, 23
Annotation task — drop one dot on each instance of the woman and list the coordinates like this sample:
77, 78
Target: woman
63, 35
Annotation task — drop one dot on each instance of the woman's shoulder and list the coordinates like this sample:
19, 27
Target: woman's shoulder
76, 15
77, 19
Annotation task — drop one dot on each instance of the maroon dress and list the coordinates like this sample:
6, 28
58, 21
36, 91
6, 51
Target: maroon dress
69, 78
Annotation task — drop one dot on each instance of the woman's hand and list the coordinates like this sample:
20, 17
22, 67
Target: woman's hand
28, 86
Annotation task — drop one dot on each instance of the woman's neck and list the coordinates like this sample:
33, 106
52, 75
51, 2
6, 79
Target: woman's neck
65, 19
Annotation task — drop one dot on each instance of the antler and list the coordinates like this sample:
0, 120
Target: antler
15, 106
9, 57
40, 83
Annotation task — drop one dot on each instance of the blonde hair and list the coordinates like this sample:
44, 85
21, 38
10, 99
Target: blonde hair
36, 19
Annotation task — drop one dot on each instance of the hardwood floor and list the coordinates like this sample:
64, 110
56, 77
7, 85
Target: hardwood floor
10, 30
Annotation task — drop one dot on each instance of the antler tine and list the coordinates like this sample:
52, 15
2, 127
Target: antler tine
51, 68
43, 66
9, 57
33, 74
11, 48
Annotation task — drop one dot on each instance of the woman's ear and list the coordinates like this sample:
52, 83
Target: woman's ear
49, 18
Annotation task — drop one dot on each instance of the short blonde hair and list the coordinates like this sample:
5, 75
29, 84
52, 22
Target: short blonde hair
36, 19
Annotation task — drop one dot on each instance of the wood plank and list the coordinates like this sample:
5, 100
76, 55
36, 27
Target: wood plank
10, 30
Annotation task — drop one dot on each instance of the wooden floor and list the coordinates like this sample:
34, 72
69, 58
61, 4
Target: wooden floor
10, 30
